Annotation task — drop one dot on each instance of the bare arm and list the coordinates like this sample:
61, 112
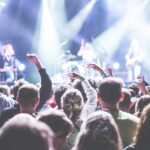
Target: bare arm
97, 68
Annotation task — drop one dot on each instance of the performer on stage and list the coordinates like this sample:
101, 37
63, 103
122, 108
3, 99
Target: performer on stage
134, 61
8, 64
87, 53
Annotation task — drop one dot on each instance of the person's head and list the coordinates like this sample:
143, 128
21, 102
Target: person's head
7, 50
77, 85
60, 124
124, 104
72, 103
58, 92
5, 90
110, 90
93, 83
141, 103
132, 92
142, 136
23, 132
99, 132
134, 88
28, 98
16, 86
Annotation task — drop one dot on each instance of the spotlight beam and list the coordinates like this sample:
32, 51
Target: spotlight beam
110, 39
47, 38
74, 26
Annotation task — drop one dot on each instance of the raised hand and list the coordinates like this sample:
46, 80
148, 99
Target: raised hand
97, 68
35, 60
74, 75
141, 85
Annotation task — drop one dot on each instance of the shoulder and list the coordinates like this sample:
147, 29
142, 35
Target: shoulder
8, 113
126, 118
6, 101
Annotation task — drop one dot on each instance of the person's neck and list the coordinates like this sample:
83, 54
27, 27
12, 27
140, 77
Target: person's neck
109, 107
27, 110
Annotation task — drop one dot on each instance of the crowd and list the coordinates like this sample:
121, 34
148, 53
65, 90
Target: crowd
84, 114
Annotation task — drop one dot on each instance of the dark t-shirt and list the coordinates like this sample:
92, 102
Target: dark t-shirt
9, 113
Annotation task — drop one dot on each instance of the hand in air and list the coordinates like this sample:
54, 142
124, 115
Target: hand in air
141, 84
95, 67
33, 58
74, 75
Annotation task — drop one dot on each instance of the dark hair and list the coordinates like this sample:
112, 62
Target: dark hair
78, 85
134, 88
5, 89
142, 136
28, 94
72, 103
16, 86
57, 121
110, 89
99, 132
132, 92
142, 102
58, 92
25, 133
93, 83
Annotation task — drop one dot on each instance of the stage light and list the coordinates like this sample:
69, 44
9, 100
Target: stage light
58, 12
47, 38
2, 4
22, 67
131, 22
116, 66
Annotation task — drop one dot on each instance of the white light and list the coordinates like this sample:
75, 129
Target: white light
74, 26
21, 67
2, 4
116, 66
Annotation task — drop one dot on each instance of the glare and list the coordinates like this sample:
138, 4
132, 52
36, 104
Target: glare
110, 39
22, 67
47, 39
74, 26
2, 4
131, 21
116, 66
58, 12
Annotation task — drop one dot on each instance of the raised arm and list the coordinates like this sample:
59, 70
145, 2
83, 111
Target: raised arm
97, 68
141, 85
46, 84
91, 103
